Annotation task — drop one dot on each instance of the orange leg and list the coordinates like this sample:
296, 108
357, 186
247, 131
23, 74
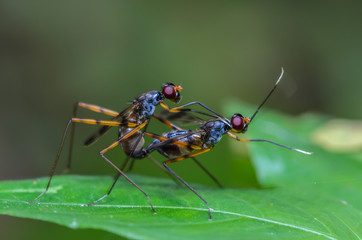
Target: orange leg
183, 157
183, 144
95, 122
116, 177
162, 139
98, 109
88, 121
182, 109
104, 129
93, 108
92, 122
166, 122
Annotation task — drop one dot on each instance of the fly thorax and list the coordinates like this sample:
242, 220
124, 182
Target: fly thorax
214, 129
149, 102
213, 137
147, 110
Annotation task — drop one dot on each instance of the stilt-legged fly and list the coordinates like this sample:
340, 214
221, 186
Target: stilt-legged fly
179, 144
130, 122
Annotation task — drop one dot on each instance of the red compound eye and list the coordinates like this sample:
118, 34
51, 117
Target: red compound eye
169, 92
237, 123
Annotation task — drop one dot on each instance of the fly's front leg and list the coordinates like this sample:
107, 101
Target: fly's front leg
166, 122
182, 109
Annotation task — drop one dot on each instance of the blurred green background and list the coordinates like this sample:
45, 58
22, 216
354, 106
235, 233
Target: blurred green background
54, 53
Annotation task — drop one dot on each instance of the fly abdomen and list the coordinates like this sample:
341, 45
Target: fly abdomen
133, 145
174, 149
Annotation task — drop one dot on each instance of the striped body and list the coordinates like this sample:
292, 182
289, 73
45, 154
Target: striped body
209, 134
173, 150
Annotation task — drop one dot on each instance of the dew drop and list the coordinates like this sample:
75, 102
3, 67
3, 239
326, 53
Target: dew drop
74, 224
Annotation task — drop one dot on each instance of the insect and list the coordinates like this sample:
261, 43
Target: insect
178, 145
130, 121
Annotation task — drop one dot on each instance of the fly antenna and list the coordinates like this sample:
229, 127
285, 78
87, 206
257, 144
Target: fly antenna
280, 145
270, 93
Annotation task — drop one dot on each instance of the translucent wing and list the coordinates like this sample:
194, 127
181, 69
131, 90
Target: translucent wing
182, 118
104, 129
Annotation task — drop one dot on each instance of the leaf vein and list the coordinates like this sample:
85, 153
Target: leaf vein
199, 209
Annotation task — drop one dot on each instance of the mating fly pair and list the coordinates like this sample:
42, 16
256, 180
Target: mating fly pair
176, 145
132, 123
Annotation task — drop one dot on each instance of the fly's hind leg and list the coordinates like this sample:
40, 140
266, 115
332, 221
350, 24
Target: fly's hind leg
87, 121
93, 108
183, 181
121, 172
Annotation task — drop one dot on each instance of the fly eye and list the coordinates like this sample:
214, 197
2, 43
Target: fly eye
169, 92
238, 122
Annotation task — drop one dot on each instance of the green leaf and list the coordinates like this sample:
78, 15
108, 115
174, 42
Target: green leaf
281, 213
297, 196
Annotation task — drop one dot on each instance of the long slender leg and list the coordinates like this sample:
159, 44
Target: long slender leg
207, 172
183, 181
93, 108
116, 177
97, 109
181, 108
165, 140
162, 120
166, 122
88, 121
163, 169
122, 173
55, 162
130, 167
170, 141
104, 129
264, 140
131, 164
158, 165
